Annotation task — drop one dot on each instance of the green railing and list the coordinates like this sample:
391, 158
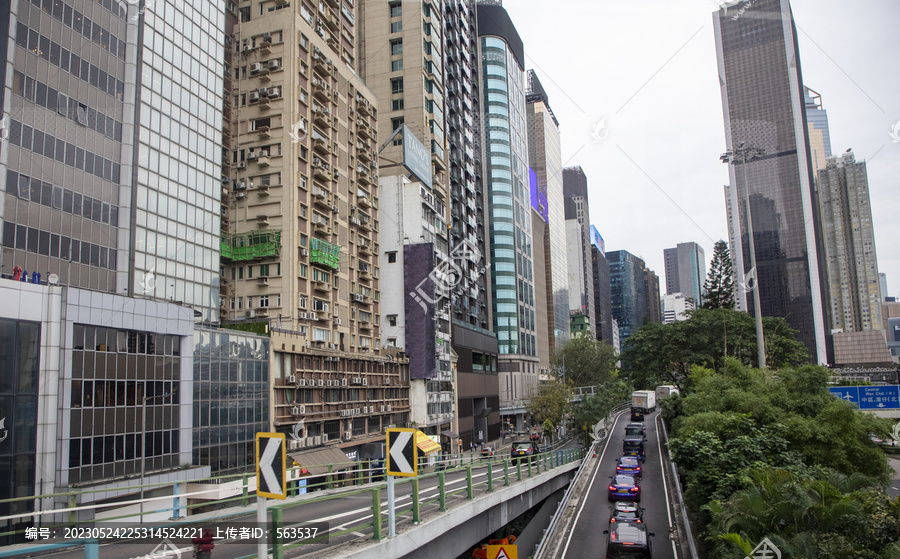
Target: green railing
248, 246
496, 472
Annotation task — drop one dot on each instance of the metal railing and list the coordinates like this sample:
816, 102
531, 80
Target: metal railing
482, 474
680, 507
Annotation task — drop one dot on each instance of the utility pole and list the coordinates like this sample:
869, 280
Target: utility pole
745, 154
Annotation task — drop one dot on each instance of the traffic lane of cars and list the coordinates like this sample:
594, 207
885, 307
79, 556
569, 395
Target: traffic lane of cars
588, 539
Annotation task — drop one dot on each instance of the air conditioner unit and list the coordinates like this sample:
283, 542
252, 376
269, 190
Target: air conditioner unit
334, 346
267, 38
312, 316
292, 379
240, 195
365, 381
324, 438
254, 97
298, 410
274, 64
250, 314
343, 382
337, 322
255, 68
321, 382
381, 408
329, 382
264, 153
389, 407
294, 444
301, 382
263, 280
301, 315
348, 435
252, 155
240, 165
317, 440
304, 252
274, 92
357, 380
334, 209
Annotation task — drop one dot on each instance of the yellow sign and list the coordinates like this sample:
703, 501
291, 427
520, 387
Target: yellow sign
505, 551
402, 455
271, 481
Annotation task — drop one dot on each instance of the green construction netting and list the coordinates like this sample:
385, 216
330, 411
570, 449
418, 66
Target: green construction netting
323, 252
247, 246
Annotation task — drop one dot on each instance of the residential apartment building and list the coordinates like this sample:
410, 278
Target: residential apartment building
851, 270
578, 239
502, 81
763, 104
302, 252
545, 159
401, 48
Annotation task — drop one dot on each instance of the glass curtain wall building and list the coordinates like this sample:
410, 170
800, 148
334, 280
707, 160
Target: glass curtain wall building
507, 181
765, 108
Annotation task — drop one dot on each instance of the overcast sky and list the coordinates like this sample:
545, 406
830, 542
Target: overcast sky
649, 68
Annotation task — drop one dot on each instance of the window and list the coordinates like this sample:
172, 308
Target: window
304, 41
320, 305
396, 85
392, 320
396, 46
249, 302
396, 9
397, 105
301, 301
396, 123
264, 269
396, 65
396, 26
392, 257
263, 300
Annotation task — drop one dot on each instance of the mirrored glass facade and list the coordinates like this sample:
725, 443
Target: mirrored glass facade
628, 291
509, 198
178, 189
764, 104
231, 402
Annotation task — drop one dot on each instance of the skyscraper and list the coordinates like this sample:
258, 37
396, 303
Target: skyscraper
654, 310
545, 157
819, 134
764, 106
849, 243
628, 291
686, 270
603, 319
394, 59
578, 237
507, 187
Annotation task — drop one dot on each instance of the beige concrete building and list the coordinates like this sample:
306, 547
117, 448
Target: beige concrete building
301, 252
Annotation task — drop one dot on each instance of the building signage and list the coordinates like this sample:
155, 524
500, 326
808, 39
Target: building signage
416, 157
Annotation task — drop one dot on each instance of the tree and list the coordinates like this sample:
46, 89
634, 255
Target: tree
584, 361
551, 402
590, 411
719, 284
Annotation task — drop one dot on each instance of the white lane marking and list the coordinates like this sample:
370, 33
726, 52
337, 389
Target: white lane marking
588, 492
665, 486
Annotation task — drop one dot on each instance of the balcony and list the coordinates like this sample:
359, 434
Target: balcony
321, 169
364, 129
321, 89
321, 146
363, 105
362, 198
321, 197
322, 228
322, 115
319, 285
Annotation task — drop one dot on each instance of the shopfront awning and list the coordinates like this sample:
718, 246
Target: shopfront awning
426, 444
450, 434
317, 461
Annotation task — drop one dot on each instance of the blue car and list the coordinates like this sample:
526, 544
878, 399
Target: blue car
624, 488
629, 466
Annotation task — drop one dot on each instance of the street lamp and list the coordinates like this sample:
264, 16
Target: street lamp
144, 443
745, 154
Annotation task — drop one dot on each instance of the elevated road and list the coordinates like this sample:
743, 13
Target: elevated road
586, 538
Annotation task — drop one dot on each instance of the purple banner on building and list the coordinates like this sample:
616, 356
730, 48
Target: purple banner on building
419, 285
538, 195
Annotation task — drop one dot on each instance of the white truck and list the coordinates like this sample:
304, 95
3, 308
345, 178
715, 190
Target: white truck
644, 399
666, 390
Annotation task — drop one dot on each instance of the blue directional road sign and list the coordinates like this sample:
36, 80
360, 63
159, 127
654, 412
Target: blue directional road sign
869, 397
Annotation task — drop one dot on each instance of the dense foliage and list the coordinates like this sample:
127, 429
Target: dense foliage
664, 353
777, 456
584, 361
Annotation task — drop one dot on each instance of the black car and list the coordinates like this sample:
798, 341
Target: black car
633, 446
637, 414
635, 430
628, 540
624, 511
